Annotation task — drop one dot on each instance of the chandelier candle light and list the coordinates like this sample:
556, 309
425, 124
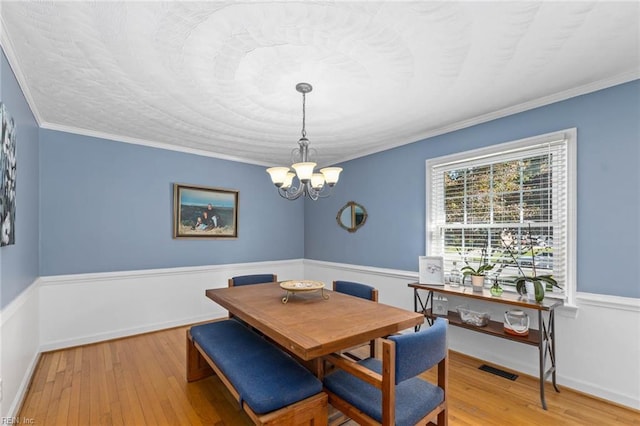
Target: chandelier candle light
311, 184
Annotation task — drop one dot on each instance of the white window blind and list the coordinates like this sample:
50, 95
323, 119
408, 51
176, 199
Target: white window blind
514, 195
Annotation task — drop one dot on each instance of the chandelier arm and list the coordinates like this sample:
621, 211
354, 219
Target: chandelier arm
285, 194
292, 193
325, 191
312, 193
282, 193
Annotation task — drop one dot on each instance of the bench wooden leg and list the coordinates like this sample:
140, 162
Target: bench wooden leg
197, 366
313, 411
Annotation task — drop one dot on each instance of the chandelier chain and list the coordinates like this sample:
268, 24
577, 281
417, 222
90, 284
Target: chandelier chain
304, 132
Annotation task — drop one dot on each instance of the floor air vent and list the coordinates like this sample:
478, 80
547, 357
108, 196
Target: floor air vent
498, 372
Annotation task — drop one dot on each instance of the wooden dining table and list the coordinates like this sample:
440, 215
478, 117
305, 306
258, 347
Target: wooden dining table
310, 325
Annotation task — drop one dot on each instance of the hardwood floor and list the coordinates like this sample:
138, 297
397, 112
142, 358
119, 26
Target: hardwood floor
140, 380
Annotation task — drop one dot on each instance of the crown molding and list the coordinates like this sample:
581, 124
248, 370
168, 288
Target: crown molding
148, 143
9, 51
505, 112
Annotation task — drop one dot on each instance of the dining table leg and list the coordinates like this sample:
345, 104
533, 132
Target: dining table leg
318, 368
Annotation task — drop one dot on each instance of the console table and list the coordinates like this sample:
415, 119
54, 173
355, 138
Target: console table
543, 338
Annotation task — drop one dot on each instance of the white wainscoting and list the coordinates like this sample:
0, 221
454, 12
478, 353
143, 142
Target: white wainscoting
597, 345
20, 348
597, 348
87, 308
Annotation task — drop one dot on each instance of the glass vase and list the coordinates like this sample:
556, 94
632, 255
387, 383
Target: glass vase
455, 276
496, 290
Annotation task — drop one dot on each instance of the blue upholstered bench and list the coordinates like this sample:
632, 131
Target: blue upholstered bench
271, 386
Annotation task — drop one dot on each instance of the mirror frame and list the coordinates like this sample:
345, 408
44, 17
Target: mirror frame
352, 205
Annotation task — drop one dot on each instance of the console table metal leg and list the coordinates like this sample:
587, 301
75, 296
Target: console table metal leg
417, 301
429, 302
542, 357
547, 346
552, 330
418, 306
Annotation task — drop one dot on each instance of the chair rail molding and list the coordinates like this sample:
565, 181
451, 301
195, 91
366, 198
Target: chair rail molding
606, 301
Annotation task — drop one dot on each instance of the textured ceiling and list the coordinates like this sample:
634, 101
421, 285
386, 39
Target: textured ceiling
218, 78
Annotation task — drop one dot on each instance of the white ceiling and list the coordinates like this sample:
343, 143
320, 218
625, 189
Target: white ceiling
218, 78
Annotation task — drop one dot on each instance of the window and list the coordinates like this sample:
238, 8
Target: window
514, 202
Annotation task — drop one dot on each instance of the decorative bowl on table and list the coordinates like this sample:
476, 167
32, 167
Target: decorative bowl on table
301, 285
478, 319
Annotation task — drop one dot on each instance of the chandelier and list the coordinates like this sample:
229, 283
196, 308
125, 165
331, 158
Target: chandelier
307, 182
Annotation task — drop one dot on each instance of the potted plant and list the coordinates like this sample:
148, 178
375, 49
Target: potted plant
530, 285
478, 274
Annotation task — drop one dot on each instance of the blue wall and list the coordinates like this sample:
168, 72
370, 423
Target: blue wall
108, 206
90, 205
391, 186
19, 262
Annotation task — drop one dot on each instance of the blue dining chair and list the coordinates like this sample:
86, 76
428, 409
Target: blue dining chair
252, 279
248, 280
389, 392
363, 291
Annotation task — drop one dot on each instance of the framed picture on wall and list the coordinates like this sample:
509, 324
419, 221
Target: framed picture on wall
7, 178
431, 270
204, 212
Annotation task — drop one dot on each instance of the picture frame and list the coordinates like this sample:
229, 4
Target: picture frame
202, 212
431, 270
8, 175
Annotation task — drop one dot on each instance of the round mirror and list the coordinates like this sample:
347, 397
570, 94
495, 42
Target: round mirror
352, 216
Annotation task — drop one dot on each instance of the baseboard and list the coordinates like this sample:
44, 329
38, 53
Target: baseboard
18, 399
118, 334
609, 395
579, 387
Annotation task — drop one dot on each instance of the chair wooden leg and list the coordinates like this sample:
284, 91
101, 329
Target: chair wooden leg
443, 383
388, 382
443, 418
